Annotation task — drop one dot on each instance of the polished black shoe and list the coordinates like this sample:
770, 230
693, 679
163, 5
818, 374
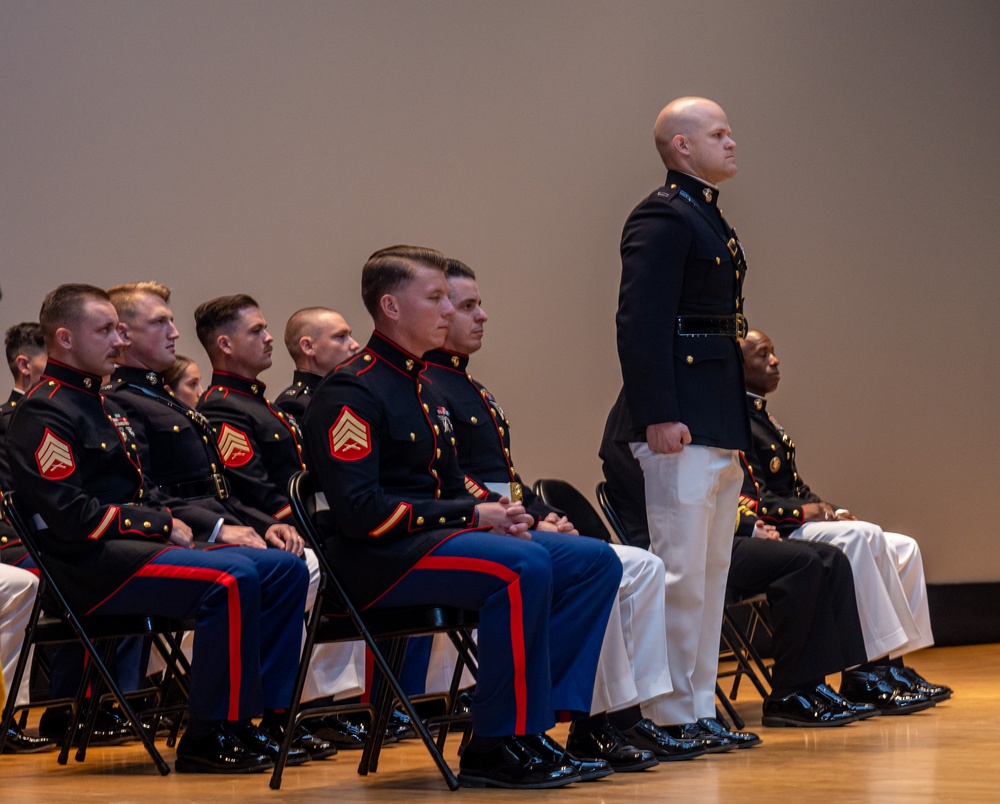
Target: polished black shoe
258, 741
345, 734
511, 763
110, 728
906, 679
20, 743
694, 732
400, 727
608, 743
218, 752
303, 739
665, 746
741, 739
862, 686
804, 708
553, 753
862, 710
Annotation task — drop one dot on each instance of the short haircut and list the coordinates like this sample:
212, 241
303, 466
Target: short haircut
173, 375
64, 307
23, 339
388, 268
126, 297
459, 270
296, 326
218, 314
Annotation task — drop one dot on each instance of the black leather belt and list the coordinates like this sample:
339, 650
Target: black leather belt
729, 326
212, 486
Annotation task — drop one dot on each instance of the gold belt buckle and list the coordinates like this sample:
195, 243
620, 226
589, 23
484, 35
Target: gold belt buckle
221, 487
741, 326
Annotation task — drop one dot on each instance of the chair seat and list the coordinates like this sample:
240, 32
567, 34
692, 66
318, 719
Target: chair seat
388, 623
53, 629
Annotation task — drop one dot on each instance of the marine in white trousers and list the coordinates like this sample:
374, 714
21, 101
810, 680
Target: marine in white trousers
888, 580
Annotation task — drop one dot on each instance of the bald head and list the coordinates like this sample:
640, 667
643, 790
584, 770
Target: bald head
693, 136
318, 339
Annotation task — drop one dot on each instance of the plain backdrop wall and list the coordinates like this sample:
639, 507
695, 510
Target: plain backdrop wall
269, 147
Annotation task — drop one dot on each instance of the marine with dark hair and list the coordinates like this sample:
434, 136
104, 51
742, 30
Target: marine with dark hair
408, 532
117, 549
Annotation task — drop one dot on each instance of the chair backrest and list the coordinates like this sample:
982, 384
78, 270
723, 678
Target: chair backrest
609, 512
302, 493
564, 496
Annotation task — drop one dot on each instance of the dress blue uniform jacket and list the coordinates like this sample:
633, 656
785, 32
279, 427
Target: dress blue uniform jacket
679, 258
383, 446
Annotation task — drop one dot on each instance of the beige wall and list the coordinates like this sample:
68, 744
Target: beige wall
269, 147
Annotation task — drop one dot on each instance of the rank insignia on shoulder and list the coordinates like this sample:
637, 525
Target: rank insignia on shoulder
350, 437
775, 463
234, 446
54, 457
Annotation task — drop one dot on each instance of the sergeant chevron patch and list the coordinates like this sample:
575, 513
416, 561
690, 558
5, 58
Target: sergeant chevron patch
350, 437
234, 446
54, 457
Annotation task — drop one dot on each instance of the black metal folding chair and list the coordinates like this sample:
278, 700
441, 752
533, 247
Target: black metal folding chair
335, 618
97, 635
568, 499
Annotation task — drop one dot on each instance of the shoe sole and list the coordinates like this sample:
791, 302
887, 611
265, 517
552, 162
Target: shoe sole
8, 749
909, 710
593, 776
187, 765
691, 755
778, 722
636, 766
466, 780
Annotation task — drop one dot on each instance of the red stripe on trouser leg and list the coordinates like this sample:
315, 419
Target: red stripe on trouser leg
233, 600
513, 581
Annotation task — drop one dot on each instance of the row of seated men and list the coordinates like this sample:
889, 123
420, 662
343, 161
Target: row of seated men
414, 457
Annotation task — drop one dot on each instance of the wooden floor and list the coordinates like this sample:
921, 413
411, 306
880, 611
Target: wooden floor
950, 752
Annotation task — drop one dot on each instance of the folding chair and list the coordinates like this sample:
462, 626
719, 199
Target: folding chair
565, 496
97, 635
335, 618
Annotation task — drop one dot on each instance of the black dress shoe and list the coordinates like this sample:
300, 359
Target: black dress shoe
400, 727
666, 747
862, 710
110, 728
511, 763
741, 739
310, 743
862, 686
20, 743
907, 679
693, 732
549, 750
804, 708
218, 752
258, 741
608, 743
345, 734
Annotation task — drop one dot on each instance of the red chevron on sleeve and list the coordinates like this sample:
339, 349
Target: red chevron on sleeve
350, 437
234, 446
54, 457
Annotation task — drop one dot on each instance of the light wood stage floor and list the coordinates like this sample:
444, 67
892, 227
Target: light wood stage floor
948, 753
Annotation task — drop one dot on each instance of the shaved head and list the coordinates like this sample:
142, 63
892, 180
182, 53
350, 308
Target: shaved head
693, 136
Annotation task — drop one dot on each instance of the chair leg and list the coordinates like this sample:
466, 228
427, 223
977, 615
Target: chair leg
390, 678
112, 684
292, 719
728, 706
